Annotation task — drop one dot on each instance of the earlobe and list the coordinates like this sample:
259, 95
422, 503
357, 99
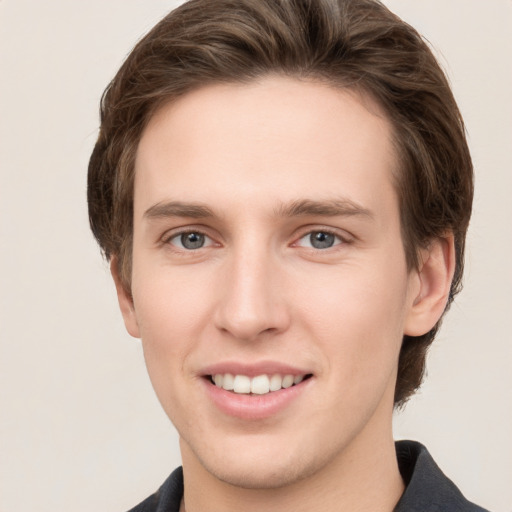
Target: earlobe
125, 300
435, 278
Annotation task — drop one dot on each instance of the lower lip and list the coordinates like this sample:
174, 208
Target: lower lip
254, 407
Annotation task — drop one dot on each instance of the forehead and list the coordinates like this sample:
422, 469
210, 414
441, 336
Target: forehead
274, 139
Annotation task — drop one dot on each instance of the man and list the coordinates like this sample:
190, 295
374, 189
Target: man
283, 189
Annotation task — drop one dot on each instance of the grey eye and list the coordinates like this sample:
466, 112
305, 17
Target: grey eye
321, 239
189, 241
192, 240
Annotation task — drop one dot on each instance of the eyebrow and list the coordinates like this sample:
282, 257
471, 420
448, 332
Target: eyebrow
297, 208
327, 208
178, 209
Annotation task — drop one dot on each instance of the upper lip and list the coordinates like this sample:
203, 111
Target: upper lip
253, 369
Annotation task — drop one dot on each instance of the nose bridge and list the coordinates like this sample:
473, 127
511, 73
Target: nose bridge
251, 302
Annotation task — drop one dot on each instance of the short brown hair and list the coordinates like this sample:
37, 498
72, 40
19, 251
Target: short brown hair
357, 44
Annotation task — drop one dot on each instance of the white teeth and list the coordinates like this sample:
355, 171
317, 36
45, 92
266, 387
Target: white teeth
275, 382
242, 384
287, 381
228, 382
260, 385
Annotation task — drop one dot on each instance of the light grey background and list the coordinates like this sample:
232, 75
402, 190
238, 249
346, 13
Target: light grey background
80, 428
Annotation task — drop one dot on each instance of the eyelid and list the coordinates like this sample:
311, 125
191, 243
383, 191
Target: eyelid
170, 234
342, 235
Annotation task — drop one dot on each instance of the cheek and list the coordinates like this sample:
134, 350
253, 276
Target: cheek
358, 316
168, 302
170, 314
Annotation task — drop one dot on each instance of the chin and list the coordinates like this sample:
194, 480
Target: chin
268, 476
260, 468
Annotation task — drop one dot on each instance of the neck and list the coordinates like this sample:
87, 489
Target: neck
364, 478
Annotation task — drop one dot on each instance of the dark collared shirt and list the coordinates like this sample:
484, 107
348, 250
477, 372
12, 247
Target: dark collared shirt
427, 488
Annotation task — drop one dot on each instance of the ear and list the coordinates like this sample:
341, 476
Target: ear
435, 279
125, 300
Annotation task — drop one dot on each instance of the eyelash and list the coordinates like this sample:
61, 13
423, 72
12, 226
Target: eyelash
341, 240
166, 239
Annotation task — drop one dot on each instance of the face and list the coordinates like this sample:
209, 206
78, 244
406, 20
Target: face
267, 257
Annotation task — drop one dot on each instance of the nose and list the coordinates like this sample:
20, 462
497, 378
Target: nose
252, 303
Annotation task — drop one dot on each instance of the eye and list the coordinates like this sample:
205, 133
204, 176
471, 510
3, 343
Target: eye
190, 240
319, 240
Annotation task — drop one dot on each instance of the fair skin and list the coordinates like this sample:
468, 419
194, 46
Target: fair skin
267, 242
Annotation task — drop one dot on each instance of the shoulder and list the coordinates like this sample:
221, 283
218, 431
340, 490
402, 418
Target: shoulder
427, 488
167, 498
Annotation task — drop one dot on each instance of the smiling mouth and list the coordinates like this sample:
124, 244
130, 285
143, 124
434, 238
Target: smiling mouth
259, 385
